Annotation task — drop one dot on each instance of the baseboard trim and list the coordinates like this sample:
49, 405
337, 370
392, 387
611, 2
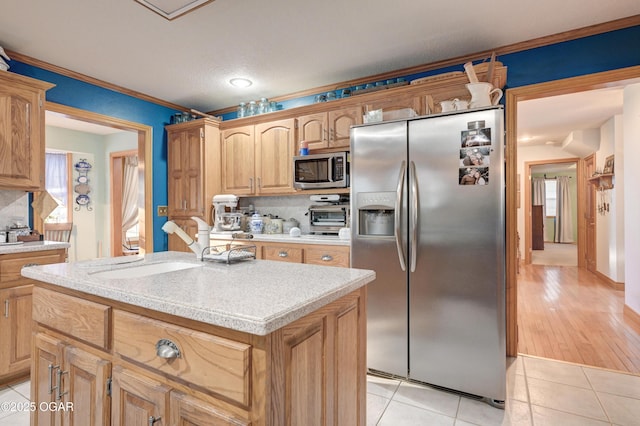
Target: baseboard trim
613, 284
630, 314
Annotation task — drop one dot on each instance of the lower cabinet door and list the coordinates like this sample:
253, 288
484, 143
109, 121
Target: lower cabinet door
85, 400
69, 385
187, 410
138, 400
45, 363
15, 330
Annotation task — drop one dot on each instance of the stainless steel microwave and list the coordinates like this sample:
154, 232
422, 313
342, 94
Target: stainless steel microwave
330, 170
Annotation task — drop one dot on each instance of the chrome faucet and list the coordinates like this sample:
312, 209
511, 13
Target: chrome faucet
199, 246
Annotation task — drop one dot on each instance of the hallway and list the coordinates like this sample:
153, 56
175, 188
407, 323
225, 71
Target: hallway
569, 314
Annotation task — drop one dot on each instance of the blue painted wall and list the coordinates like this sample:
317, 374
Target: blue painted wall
81, 95
603, 52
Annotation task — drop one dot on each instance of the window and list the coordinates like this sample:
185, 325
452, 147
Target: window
57, 184
551, 197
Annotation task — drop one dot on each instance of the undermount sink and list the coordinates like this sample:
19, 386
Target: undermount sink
145, 270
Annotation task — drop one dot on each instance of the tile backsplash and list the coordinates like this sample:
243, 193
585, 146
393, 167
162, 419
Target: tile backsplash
14, 207
286, 207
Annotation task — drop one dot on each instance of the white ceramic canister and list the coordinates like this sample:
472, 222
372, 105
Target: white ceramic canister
256, 224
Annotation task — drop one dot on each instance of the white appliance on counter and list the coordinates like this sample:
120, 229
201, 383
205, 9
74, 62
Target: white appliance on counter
427, 197
225, 217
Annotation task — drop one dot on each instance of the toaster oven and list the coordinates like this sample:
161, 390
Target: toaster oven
328, 219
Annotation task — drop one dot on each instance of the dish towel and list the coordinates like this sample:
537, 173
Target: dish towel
43, 204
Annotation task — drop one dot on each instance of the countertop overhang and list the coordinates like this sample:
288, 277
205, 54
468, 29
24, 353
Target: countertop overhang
252, 296
26, 247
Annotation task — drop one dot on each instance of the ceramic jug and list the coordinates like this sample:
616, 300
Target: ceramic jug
483, 94
447, 106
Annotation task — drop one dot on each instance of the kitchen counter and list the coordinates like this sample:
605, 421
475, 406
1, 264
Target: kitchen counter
231, 296
256, 342
25, 247
286, 238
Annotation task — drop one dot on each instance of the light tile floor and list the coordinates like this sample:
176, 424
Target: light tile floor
539, 392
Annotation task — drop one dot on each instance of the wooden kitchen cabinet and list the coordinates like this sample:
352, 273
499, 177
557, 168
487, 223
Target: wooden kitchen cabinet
15, 330
138, 400
66, 376
15, 322
22, 132
329, 129
317, 254
193, 156
305, 373
258, 160
395, 103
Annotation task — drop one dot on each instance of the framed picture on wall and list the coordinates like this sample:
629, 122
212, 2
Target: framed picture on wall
608, 165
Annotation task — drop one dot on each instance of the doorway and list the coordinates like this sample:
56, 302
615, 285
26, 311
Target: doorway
144, 148
542, 243
513, 97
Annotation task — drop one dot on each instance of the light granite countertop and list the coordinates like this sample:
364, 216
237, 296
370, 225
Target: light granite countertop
253, 296
9, 248
333, 240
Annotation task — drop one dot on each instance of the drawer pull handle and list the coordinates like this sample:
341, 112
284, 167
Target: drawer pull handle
283, 254
51, 368
165, 348
27, 265
152, 420
327, 258
59, 393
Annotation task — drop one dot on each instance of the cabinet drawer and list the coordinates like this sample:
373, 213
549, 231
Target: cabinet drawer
219, 365
79, 318
284, 254
330, 256
10, 267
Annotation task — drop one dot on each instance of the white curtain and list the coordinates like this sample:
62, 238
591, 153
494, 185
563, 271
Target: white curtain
56, 182
539, 193
130, 193
564, 220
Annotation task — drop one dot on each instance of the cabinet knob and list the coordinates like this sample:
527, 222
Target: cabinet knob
283, 254
165, 348
327, 258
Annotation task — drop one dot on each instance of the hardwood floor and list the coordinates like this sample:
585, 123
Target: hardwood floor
569, 314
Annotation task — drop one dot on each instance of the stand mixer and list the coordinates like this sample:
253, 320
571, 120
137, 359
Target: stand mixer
224, 220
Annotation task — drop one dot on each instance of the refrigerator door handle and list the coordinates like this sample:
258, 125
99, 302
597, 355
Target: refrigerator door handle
397, 232
414, 214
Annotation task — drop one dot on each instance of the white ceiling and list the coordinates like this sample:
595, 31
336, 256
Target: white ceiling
286, 46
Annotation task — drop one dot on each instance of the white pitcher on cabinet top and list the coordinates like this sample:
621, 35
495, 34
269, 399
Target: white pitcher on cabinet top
483, 94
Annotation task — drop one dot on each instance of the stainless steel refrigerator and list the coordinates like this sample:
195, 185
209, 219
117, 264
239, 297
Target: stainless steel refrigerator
427, 214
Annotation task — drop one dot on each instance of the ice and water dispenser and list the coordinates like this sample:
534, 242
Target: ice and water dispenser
376, 213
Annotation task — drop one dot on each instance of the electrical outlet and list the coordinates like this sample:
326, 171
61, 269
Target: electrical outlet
163, 211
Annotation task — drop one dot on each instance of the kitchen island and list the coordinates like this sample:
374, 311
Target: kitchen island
255, 342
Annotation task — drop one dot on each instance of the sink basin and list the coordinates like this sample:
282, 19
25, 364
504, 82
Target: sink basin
145, 270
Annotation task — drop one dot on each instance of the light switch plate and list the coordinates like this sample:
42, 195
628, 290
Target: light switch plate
163, 211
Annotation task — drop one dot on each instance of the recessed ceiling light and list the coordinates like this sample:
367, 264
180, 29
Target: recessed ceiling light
171, 9
240, 82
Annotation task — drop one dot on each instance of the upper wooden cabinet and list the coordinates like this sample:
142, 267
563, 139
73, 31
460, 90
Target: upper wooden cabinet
193, 157
328, 129
22, 132
257, 160
395, 103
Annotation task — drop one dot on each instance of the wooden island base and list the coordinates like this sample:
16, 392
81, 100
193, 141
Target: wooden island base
101, 356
